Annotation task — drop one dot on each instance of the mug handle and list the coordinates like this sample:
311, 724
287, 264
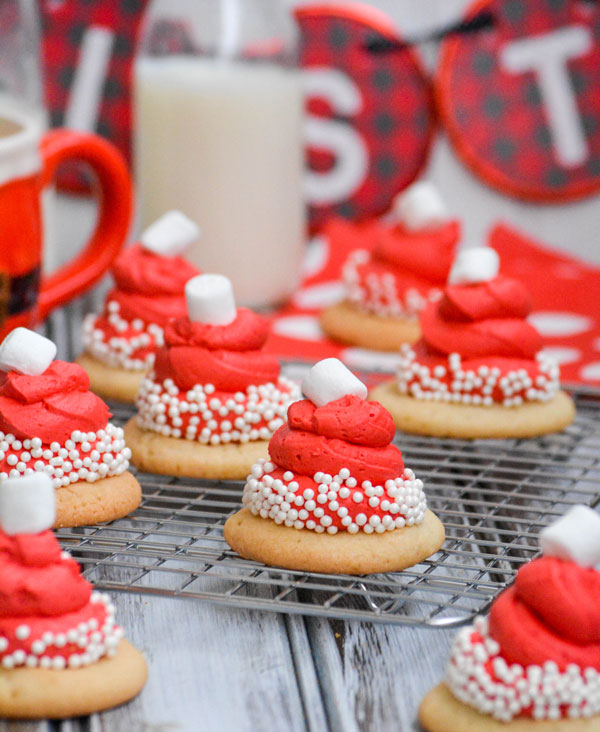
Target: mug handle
115, 203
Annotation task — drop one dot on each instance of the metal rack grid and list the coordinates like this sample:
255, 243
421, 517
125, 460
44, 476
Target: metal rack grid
493, 497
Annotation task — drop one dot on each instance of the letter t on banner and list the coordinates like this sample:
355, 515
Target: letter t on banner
519, 97
548, 57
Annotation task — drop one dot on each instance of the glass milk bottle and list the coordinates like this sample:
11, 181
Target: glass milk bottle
218, 135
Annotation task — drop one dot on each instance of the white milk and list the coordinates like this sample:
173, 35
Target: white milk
222, 142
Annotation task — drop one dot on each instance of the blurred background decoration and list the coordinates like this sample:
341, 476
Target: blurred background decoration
518, 119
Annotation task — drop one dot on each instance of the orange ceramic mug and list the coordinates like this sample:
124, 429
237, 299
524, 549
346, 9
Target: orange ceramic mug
28, 163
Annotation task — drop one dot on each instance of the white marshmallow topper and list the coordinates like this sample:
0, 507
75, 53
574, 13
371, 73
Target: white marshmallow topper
474, 265
170, 234
26, 352
27, 504
210, 299
329, 380
420, 207
574, 537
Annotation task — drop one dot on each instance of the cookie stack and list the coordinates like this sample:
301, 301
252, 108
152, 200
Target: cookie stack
479, 369
397, 267
335, 495
535, 662
51, 422
61, 652
150, 276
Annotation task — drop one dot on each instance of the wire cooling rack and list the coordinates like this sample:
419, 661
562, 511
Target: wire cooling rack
493, 496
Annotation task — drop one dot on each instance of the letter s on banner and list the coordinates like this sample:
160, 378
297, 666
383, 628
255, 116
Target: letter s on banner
338, 137
370, 117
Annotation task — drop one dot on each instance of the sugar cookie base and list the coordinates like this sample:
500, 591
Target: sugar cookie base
156, 453
83, 503
38, 693
253, 537
110, 382
440, 711
346, 323
466, 421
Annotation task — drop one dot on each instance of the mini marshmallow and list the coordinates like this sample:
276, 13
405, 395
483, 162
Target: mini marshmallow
574, 537
329, 380
210, 299
170, 234
420, 207
26, 352
27, 504
477, 264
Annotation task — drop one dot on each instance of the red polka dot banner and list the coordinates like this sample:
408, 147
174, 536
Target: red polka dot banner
566, 304
370, 117
521, 98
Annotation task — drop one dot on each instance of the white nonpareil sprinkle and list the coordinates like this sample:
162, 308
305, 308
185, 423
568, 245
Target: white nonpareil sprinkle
451, 383
128, 352
88, 456
378, 293
512, 688
203, 415
401, 502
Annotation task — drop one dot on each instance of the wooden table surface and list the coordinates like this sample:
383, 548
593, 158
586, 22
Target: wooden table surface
214, 668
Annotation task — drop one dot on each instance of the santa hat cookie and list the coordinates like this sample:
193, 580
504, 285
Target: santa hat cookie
335, 495
214, 397
51, 423
479, 369
534, 663
150, 276
398, 265
57, 636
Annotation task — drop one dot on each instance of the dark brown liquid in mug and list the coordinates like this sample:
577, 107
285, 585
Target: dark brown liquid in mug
18, 293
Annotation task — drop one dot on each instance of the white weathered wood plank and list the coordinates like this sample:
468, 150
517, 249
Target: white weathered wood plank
331, 674
41, 726
306, 675
374, 676
210, 668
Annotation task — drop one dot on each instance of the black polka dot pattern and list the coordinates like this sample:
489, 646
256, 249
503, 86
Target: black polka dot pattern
498, 120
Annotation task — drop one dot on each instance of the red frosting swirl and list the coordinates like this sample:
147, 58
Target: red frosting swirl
36, 579
149, 287
347, 433
48, 612
550, 614
157, 309
428, 254
486, 319
227, 356
248, 332
52, 405
333, 468
138, 271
